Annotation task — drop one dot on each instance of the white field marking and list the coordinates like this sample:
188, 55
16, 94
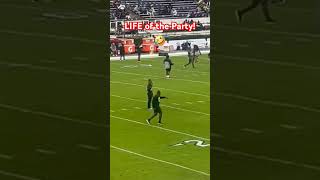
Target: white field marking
241, 45
265, 158
5, 156
181, 109
280, 63
303, 40
255, 131
137, 74
89, 147
112, 110
49, 69
176, 104
18, 176
52, 36
267, 102
80, 58
286, 126
189, 102
272, 42
137, 107
162, 161
216, 135
182, 70
124, 109
158, 127
49, 115
200, 101
302, 10
261, 30
44, 151
48, 61
185, 92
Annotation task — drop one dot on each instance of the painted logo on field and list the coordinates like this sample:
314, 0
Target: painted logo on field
198, 143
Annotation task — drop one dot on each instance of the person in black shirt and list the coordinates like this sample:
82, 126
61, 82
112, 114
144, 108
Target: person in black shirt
149, 93
156, 107
122, 52
167, 65
139, 51
195, 53
190, 58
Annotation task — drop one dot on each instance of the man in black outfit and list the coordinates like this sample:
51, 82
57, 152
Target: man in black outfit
122, 52
149, 93
156, 107
254, 3
139, 51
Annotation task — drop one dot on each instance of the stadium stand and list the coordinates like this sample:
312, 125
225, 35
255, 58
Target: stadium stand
146, 9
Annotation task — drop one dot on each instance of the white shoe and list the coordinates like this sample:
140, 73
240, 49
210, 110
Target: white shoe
148, 121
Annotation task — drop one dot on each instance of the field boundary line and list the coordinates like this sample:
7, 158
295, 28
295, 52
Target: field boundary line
18, 176
5, 156
261, 30
158, 127
52, 36
159, 160
49, 69
262, 157
268, 102
137, 74
259, 60
181, 109
49, 115
173, 90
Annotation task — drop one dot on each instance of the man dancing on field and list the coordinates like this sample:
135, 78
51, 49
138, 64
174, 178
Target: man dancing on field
264, 4
156, 107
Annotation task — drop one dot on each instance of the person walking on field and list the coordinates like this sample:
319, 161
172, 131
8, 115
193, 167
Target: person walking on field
265, 9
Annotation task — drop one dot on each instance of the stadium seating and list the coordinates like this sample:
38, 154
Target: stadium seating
162, 9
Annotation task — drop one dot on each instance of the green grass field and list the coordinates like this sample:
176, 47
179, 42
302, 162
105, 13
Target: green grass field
53, 99
147, 152
266, 93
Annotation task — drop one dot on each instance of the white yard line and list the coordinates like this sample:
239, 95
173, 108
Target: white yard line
287, 126
272, 42
45, 151
52, 36
261, 30
265, 158
268, 102
173, 90
16, 175
48, 61
181, 109
159, 160
255, 131
264, 61
241, 45
173, 78
158, 127
50, 69
88, 147
5, 156
49, 115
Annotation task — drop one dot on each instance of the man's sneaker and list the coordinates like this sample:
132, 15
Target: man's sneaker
159, 123
148, 121
270, 21
238, 16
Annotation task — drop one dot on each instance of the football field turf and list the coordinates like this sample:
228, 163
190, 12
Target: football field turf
266, 93
153, 152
